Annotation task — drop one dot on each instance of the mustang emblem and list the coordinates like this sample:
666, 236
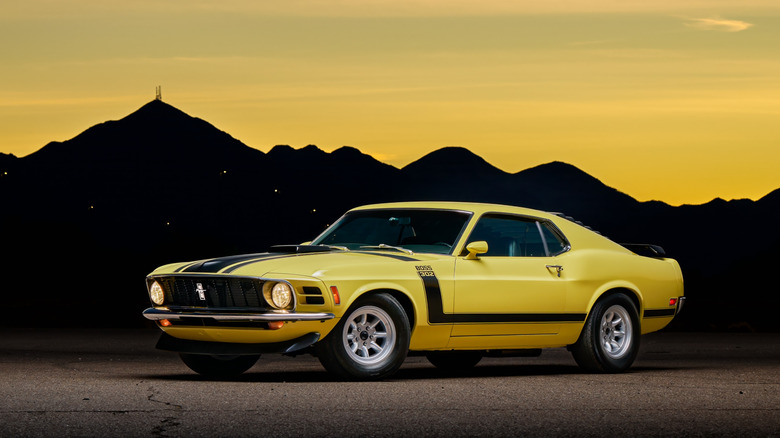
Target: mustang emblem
201, 291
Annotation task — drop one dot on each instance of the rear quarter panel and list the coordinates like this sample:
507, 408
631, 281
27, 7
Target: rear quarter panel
596, 266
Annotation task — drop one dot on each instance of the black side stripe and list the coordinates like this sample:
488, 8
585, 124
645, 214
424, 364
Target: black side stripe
436, 313
655, 313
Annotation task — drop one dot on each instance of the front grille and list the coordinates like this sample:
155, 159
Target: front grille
224, 292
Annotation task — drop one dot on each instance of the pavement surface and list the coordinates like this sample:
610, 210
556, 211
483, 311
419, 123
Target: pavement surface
114, 383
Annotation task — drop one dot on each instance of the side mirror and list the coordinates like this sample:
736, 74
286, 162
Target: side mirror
476, 248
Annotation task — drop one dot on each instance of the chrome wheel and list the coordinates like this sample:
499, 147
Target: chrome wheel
369, 335
616, 332
370, 342
609, 341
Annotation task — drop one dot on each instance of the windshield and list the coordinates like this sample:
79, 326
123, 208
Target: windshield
434, 231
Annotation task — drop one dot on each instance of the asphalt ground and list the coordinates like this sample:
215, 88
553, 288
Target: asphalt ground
114, 383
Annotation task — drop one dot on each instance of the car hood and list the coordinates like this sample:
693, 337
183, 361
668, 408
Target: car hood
314, 264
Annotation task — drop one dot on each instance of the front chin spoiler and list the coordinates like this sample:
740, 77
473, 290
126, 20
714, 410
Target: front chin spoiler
169, 343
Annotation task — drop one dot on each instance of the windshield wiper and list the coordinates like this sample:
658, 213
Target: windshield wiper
383, 246
298, 249
341, 248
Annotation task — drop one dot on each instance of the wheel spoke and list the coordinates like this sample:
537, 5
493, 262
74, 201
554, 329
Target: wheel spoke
374, 346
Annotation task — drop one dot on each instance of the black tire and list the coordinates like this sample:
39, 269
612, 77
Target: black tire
218, 367
454, 361
609, 342
370, 342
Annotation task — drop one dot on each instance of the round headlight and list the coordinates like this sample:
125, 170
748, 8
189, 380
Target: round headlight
281, 295
156, 293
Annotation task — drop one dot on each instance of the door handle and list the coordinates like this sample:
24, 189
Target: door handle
558, 268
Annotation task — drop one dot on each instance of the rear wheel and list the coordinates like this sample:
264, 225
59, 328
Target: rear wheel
218, 367
609, 342
370, 342
454, 361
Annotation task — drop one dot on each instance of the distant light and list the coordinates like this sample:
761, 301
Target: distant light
314, 210
167, 223
224, 172
276, 191
91, 207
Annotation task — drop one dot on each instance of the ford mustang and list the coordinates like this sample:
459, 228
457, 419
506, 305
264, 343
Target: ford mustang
452, 281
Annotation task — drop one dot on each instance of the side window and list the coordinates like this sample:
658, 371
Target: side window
509, 236
555, 242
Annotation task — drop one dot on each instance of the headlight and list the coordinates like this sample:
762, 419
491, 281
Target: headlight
278, 295
156, 293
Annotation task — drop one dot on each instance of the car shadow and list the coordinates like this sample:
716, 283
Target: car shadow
256, 375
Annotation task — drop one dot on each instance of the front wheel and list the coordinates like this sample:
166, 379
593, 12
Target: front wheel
218, 367
609, 342
370, 342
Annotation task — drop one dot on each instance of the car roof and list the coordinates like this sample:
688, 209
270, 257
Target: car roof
475, 207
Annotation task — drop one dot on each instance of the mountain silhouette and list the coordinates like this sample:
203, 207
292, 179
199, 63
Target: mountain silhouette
86, 219
452, 161
139, 136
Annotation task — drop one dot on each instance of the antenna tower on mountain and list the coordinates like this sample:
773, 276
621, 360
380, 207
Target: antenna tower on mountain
158, 93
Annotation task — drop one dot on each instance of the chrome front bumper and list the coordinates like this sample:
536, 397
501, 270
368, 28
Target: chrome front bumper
157, 314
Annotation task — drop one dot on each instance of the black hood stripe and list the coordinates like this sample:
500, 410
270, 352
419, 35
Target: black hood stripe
215, 265
281, 256
255, 260
237, 261
188, 265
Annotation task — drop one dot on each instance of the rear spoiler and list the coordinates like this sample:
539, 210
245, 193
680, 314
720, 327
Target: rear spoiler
645, 249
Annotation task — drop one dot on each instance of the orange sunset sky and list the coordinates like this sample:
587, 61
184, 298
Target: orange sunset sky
670, 100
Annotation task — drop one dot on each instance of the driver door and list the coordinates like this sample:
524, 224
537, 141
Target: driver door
513, 289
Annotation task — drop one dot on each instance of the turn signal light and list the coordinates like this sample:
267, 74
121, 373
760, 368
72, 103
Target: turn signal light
672, 301
335, 291
275, 325
165, 323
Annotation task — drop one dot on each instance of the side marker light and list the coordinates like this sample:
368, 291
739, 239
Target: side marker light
672, 301
335, 291
275, 325
165, 323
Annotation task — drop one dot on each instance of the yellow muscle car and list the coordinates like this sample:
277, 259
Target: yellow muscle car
452, 281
